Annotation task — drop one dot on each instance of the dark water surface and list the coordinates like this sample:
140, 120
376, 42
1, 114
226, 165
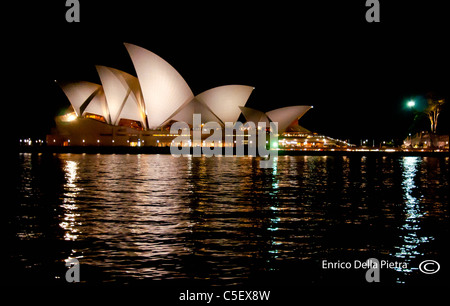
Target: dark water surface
225, 221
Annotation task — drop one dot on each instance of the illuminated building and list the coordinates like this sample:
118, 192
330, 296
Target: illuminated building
291, 134
137, 111
125, 110
426, 140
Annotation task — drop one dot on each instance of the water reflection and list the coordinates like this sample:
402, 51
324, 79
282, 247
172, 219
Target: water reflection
69, 221
274, 219
226, 220
136, 211
411, 234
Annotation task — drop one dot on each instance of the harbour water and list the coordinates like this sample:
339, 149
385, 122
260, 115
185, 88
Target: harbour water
151, 218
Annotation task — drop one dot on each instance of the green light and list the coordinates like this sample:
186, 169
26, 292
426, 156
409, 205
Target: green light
275, 145
411, 103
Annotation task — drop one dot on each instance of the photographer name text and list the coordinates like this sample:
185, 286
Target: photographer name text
367, 264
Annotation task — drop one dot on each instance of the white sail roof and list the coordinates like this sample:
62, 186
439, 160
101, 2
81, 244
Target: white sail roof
254, 115
224, 101
85, 97
186, 111
158, 95
163, 88
98, 106
285, 116
122, 95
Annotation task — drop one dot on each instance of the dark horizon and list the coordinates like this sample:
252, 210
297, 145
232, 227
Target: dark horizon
358, 76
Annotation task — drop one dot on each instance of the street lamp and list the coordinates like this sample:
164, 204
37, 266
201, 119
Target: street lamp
411, 104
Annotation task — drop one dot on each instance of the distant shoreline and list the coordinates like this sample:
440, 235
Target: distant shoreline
166, 150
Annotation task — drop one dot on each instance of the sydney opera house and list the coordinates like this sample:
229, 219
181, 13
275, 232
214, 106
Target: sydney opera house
125, 110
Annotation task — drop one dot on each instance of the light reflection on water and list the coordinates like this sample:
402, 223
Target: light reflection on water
225, 220
69, 204
409, 230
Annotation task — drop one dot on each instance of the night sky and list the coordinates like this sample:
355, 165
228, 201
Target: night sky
357, 75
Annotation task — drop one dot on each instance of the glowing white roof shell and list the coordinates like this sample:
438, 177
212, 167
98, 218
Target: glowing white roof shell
285, 116
163, 88
254, 115
185, 112
86, 97
220, 104
158, 95
122, 95
224, 101
98, 106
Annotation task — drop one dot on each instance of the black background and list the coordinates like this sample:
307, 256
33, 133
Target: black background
357, 75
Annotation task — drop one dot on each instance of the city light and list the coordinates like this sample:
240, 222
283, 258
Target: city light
69, 117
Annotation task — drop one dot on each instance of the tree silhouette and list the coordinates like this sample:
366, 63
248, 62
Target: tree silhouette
433, 110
